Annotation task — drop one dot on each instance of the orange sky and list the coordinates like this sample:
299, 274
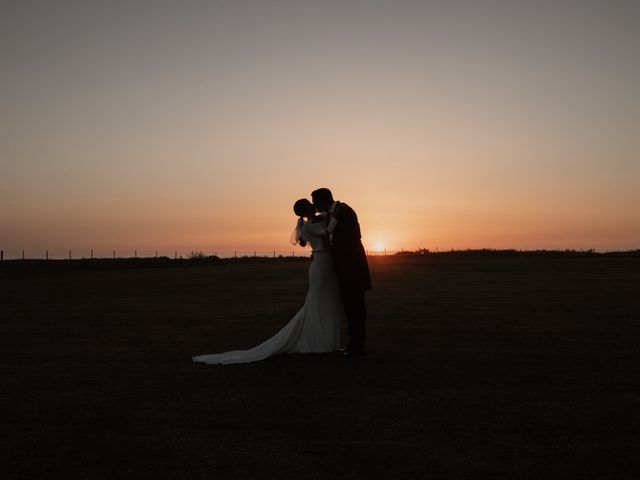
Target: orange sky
479, 124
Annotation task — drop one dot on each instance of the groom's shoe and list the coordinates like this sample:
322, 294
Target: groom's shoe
345, 349
354, 351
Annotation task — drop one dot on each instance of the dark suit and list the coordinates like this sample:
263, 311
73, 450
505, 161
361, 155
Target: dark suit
352, 268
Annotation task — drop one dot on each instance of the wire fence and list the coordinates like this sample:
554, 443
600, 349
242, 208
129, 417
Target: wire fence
57, 254
102, 254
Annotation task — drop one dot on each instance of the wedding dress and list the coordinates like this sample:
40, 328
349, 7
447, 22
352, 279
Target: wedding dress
316, 326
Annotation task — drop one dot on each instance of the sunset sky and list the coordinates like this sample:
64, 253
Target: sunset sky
195, 125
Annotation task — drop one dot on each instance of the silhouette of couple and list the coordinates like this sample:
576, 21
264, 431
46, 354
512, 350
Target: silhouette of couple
338, 279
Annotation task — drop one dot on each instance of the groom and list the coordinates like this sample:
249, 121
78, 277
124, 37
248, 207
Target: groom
351, 265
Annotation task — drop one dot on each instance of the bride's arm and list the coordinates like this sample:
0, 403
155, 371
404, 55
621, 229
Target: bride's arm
333, 222
333, 219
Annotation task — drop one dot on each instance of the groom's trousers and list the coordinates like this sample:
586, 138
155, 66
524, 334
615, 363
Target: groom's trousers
356, 312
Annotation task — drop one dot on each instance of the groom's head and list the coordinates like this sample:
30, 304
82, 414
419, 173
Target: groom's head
322, 199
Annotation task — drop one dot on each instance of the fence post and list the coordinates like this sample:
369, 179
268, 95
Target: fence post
175, 255
23, 254
1, 255
293, 253
254, 254
156, 253
114, 254
235, 254
135, 253
274, 254
46, 255
69, 254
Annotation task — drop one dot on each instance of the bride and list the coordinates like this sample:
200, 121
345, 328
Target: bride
316, 326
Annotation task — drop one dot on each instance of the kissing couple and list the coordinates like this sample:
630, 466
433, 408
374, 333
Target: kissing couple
338, 278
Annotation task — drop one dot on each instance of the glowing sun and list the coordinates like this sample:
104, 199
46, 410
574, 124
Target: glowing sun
378, 247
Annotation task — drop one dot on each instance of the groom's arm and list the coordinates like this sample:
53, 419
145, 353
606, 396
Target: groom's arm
349, 230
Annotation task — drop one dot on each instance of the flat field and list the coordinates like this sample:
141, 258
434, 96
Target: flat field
485, 366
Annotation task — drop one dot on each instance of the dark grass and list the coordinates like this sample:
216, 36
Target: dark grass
490, 367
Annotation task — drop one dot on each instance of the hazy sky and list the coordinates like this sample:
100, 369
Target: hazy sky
196, 125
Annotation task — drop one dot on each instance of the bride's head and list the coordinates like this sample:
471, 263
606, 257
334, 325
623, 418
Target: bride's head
304, 208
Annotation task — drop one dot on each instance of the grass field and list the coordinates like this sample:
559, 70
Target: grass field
489, 367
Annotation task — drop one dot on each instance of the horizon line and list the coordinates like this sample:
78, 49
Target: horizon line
244, 253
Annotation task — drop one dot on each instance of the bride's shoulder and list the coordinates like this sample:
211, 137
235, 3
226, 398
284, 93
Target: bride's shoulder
321, 217
314, 226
